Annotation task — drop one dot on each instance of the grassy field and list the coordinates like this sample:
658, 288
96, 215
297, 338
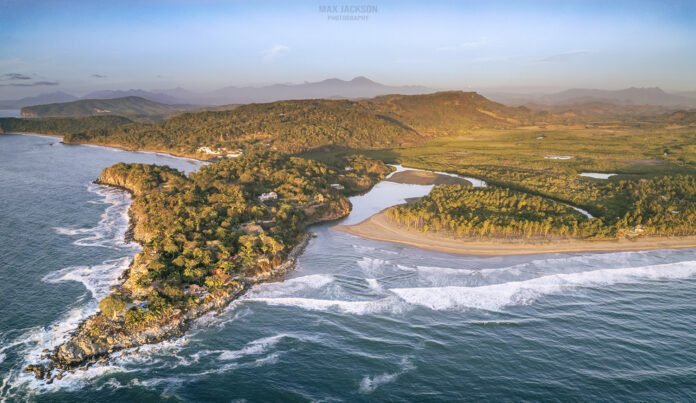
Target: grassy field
631, 152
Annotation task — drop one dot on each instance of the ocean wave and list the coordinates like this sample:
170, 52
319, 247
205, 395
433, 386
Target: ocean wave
369, 264
374, 284
292, 286
496, 296
384, 305
98, 279
256, 347
113, 223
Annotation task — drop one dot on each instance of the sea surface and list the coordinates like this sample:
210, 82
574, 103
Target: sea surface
10, 113
358, 320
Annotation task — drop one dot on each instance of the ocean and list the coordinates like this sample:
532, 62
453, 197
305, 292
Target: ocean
358, 320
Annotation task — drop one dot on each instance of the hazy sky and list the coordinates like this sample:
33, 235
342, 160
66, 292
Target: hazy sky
79, 46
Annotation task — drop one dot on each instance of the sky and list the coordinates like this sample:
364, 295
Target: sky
516, 46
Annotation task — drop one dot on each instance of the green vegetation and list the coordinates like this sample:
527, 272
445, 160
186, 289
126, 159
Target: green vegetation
208, 236
289, 126
136, 108
211, 227
659, 207
297, 126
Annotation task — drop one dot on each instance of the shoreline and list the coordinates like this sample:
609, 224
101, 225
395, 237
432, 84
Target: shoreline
114, 147
378, 228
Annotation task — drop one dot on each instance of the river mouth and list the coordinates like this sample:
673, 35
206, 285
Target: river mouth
358, 319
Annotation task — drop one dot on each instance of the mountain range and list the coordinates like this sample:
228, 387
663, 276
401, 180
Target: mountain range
361, 87
579, 96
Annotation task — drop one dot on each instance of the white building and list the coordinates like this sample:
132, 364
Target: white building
268, 196
336, 186
208, 150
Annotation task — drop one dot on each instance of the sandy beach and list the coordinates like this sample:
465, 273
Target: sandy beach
379, 228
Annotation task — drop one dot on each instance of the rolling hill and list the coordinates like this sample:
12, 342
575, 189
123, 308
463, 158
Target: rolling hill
302, 125
132, 107
448, 113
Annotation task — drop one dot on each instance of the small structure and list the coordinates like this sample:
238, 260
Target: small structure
349, 169
558, 157
196, 290
336, 186
268, 196
234, 154
208, 150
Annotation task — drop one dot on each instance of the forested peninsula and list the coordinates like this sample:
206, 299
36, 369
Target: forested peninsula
206, 238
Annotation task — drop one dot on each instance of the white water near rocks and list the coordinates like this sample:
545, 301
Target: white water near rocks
365, 320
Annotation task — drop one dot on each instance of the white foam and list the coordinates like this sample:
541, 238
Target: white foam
389, 304
370, 383
293, 285
255, 347
496, 296
373, 284
372, 266
109, 231
443, 270
97, 279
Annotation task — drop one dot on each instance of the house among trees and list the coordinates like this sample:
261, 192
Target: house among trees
208, 150
268, 196
336, 186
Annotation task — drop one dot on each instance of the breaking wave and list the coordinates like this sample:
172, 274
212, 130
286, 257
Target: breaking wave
108, 233
496, 296
383, 305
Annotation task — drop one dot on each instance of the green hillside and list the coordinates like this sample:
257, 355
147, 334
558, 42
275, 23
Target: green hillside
134, 107
449, 113
302, 125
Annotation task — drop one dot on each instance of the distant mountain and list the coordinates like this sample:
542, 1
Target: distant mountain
152, 96
37, 100
688, 94
629, 96
133, 107
359, 87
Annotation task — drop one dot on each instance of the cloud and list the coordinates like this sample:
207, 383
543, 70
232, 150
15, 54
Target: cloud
274, 52
98, 76
458, 47
34, 84
561, 57
15, 76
